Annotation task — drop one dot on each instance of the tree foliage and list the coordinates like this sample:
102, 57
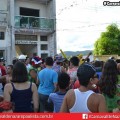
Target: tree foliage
109, 41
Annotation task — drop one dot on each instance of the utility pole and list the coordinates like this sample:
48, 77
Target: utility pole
11, 26
10, 39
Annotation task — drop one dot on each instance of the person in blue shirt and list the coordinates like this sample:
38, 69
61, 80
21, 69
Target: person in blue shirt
98, 66
48, 80
57, 97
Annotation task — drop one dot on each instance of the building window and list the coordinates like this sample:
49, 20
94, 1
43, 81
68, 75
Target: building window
1, 53
44, 55
43, 38
44, 47
2, 36
29, 12
26, 37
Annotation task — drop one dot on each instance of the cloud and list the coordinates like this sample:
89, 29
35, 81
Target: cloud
79, 26
88, 46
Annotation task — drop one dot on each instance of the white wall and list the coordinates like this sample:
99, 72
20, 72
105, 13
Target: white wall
41, 7
50, 9
3, 4
2, 43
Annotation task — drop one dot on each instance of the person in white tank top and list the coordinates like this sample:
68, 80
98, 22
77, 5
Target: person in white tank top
83, 99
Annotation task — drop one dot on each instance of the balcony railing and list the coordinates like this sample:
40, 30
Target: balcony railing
34, 23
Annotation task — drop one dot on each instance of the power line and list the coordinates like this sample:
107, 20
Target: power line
67, 7
71, 21
77, 29
73, 30
94, 25
93, 8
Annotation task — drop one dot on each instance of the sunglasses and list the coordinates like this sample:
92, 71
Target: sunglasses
96, 76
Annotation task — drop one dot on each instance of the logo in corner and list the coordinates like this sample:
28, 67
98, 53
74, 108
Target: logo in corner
84, 116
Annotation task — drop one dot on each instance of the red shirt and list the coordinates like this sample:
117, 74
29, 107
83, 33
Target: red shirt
2, 70
76, 84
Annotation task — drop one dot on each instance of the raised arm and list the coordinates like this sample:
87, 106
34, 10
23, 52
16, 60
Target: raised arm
90, 53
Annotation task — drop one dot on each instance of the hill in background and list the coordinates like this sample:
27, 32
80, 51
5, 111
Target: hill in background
72, 53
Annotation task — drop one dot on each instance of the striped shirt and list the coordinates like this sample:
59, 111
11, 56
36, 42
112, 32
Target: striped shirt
56, 99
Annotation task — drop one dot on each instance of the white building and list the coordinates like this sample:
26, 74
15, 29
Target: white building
27, 27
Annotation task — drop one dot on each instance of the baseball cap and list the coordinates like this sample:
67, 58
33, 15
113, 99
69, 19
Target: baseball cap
22, 57
2, 59
85, 72
59, 58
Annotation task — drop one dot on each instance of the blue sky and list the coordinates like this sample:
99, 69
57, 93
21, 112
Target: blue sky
80, 22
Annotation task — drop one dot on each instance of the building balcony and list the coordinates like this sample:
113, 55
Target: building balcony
34, 23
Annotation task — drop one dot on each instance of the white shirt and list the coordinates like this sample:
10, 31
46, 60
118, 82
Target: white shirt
81, 99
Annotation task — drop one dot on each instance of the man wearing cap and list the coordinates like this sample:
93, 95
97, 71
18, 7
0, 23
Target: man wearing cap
22, 58
58, 64
84, 99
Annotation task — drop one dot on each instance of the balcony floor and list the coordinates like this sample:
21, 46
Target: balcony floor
38, 1
33, 31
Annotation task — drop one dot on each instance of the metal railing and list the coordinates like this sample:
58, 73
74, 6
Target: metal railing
30, 22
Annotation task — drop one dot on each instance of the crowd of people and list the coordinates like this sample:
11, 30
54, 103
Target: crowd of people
59, 85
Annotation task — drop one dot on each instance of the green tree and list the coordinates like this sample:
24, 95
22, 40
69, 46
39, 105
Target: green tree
109, 41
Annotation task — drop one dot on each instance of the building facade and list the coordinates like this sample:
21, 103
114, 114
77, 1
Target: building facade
29, 28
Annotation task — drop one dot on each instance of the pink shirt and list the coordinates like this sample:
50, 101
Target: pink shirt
72, 73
